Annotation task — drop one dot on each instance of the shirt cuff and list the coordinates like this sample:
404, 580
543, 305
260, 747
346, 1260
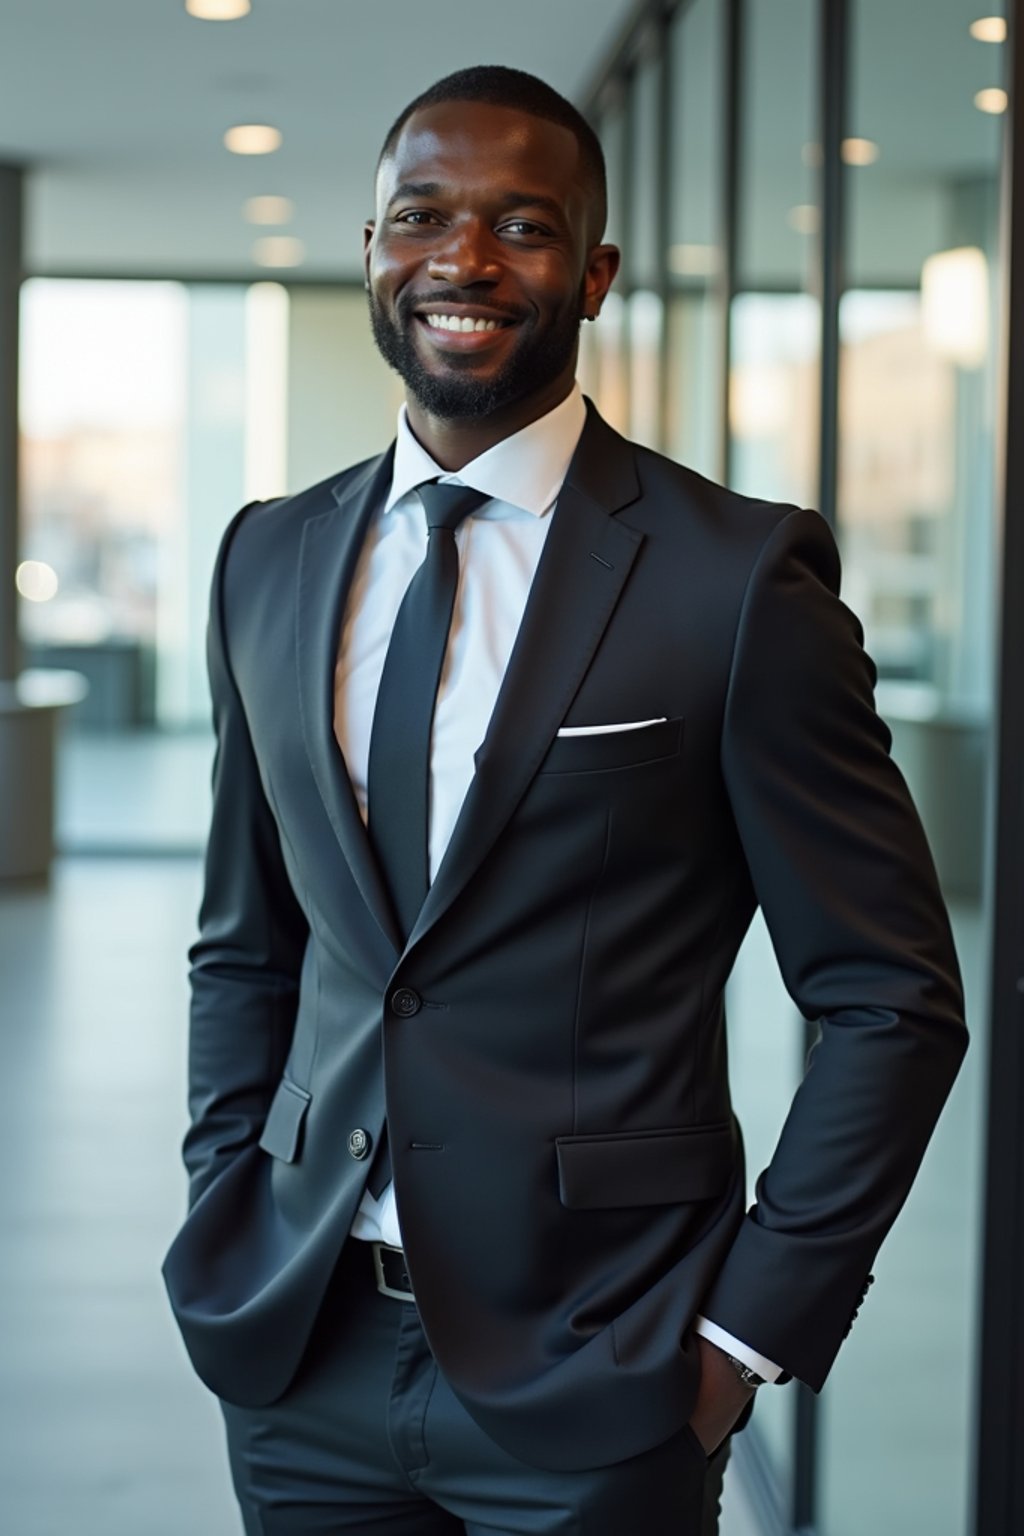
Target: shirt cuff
743, 1352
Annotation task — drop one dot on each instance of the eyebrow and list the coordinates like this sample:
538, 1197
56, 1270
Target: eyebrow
509, 200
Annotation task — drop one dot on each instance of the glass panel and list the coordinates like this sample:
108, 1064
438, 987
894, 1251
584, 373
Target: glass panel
774, 391
695, 329
919, 329
150, 412
646, 317
102, 391
641, 252
646, 320
342, 400
604, 366
774, 387
774, 383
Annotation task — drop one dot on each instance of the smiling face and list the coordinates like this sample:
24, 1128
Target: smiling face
482, 261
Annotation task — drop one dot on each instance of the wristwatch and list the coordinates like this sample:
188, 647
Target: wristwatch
749, 1377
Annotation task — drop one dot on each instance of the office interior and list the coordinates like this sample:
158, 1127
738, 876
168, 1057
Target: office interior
821, 209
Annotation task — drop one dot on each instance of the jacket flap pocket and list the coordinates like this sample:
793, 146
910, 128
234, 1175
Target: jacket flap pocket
645, 1167
283, 1127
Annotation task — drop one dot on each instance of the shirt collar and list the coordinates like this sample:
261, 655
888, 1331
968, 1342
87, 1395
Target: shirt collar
526, 469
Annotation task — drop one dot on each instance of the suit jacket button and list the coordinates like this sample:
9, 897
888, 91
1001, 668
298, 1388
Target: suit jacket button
405, 1002
359, 1144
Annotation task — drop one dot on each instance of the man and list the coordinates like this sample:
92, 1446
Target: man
494, 806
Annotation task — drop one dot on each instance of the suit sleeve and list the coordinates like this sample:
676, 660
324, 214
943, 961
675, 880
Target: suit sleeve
246, 962
841, 868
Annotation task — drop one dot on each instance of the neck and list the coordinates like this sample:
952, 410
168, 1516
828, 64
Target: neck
453, 442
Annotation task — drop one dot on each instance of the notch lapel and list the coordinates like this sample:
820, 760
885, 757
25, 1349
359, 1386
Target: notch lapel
330, 550
584, 564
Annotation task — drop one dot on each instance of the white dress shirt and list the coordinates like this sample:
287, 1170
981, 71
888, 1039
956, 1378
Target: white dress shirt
499, 548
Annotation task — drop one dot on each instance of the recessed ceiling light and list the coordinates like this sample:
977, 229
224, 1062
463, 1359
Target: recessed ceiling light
804, 218
218, 10
989, 29
859, 151
278, 251
993, 100
253, 139
269, 210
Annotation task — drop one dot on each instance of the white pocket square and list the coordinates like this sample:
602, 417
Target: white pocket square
604, 730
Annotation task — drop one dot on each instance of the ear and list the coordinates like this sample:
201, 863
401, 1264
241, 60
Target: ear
602, 265
368, 229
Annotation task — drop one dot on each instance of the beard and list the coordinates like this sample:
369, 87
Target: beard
532, 364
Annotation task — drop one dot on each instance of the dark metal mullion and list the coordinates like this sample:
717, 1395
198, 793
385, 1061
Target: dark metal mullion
663, 218
625, 207
833, 91
616, 62
833, 86
999, 1471
732, 105
12, 181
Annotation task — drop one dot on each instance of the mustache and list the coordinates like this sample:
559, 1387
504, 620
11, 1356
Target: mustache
439, 297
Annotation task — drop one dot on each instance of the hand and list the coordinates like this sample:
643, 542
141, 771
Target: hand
721, 1399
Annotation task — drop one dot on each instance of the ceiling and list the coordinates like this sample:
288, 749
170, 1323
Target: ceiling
118, 109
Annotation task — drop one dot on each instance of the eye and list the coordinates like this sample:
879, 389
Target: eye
523, 227
416, 217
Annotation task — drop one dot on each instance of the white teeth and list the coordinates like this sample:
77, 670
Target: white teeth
460, 323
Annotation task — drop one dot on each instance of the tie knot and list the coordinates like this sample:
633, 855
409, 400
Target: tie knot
447, 505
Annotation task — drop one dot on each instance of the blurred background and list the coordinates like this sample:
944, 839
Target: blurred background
822, 301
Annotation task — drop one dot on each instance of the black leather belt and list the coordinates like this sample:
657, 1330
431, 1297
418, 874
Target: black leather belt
392, 1275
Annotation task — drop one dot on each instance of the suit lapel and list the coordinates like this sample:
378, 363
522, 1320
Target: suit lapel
330, 549
586, 559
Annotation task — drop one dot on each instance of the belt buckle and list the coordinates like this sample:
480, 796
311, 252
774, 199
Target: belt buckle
378, 1265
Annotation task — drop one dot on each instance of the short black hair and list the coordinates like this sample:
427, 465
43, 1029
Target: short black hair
499, 86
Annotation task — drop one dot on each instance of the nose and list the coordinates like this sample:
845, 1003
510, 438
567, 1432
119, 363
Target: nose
465, 254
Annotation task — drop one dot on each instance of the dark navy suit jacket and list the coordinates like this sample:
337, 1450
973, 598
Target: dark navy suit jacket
568, 1171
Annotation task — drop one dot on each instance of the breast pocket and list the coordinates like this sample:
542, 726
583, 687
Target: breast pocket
612, 750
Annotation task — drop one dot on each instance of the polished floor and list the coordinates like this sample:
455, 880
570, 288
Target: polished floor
103, 1430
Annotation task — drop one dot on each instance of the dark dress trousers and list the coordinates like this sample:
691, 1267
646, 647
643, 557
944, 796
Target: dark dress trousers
549, 1043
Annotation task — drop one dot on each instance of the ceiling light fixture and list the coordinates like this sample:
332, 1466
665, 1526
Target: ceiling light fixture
989, 29
859, 151
278, 251
253, 139
993, 100
218, 10
955, 305
269, 210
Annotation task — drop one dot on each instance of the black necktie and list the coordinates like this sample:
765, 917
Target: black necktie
398, 773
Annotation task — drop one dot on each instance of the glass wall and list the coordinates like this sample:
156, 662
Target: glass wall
917, 171
774, 386
919, 327
695, 258
645, 309
150, 412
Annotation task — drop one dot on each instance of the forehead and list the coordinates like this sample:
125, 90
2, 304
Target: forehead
473, 145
